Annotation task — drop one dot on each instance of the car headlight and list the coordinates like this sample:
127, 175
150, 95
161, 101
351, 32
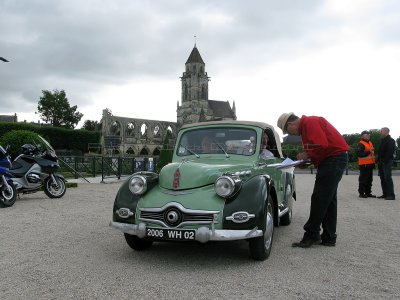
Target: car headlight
225, 186
138, 185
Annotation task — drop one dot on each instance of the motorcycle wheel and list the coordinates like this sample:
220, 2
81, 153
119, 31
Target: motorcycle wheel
54, 190
8, 196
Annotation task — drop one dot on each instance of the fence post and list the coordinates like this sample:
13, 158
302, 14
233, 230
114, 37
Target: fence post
102, 168
119, 167
75, 167
94, 165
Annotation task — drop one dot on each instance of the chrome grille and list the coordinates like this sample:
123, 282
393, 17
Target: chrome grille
186, 217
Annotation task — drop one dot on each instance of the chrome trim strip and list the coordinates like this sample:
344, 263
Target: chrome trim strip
181, 208
179, 225
177, 193
203, 234
281, 213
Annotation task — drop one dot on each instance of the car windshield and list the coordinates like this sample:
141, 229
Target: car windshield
217, 140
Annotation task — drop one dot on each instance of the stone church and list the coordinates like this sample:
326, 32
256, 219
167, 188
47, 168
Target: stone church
130, 136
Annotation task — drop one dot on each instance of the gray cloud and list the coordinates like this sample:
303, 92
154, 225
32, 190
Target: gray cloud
81, 46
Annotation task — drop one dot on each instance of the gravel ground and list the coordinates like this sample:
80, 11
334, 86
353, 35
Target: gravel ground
64, 249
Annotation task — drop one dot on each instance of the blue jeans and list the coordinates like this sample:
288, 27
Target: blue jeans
385, 173
323, 209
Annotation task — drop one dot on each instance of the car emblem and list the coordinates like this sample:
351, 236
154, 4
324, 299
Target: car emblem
124, 213
177, 176
240, 217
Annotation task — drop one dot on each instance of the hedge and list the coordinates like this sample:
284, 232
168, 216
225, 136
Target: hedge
59, 138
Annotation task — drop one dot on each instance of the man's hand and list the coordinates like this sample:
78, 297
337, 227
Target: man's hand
302, 156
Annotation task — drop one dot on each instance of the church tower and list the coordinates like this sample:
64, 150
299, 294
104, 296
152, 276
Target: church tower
194, 79
195, 105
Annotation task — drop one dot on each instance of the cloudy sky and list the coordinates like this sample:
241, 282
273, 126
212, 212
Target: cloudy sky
335, 58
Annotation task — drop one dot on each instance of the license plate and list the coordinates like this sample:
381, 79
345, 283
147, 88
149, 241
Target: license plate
171, 234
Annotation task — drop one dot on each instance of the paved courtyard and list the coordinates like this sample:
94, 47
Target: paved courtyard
64, 249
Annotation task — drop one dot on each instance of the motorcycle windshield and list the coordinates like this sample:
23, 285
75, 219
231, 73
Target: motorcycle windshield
46, 143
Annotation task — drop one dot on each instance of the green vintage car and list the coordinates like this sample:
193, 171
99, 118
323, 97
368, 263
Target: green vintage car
219, 187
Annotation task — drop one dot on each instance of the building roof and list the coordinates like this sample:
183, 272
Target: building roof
194, 57
221, 109
8, 118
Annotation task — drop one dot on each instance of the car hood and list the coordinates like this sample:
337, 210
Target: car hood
193, 174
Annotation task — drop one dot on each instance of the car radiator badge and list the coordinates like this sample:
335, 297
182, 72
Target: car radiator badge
177, 176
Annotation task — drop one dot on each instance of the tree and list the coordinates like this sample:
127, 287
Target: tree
165, 154
91, 125
55, 109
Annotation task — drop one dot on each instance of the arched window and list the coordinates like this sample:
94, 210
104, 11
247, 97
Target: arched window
144, 151
186, 93
116, 128
130, 129
143, 130
156, 151
156, 131
203, 92
130, 151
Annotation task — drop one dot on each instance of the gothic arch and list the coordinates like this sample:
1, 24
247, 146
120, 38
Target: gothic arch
130, 129
143, 130
115, 128
157, 151
144, 151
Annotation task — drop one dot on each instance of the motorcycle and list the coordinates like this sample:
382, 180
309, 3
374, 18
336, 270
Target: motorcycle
8, 192
36, 168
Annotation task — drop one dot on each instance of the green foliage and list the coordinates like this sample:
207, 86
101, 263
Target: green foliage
55, 109
290, 150
91, 125
16, 138
166, 153
59, 138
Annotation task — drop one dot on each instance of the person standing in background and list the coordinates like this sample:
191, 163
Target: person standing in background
366, 165
386, 154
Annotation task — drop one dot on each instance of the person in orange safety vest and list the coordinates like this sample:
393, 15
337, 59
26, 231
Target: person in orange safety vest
366, 165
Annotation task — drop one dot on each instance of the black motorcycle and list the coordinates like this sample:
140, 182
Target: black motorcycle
36, 168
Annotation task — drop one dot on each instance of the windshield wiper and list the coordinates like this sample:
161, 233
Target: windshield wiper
190, 151
222, 148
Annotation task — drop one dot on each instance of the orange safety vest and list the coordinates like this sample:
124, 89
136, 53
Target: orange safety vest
370, 159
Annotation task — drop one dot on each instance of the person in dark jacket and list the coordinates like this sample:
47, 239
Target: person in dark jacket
366, 165
327, 150
386, 154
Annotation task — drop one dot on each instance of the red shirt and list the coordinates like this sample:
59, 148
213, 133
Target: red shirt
320, 139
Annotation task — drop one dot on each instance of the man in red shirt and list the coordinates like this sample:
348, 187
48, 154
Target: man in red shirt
325, 147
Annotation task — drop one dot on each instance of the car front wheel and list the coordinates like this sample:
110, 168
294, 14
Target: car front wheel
136, 243
260, 247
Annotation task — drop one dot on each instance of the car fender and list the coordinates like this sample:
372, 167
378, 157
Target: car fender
252, 199
125, 199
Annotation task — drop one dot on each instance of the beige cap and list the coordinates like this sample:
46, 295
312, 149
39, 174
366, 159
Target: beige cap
283, 120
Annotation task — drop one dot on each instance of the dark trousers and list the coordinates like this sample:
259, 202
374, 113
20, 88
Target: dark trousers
365, 179
324, 199
385, 173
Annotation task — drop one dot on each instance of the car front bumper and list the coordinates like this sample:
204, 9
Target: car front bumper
203, 234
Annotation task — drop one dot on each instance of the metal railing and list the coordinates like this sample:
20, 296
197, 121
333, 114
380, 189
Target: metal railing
106, 166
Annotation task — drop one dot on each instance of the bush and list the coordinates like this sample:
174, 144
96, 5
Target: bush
16, 138
59, 138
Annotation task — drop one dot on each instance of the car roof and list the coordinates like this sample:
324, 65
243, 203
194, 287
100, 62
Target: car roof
234, 122
238, 122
